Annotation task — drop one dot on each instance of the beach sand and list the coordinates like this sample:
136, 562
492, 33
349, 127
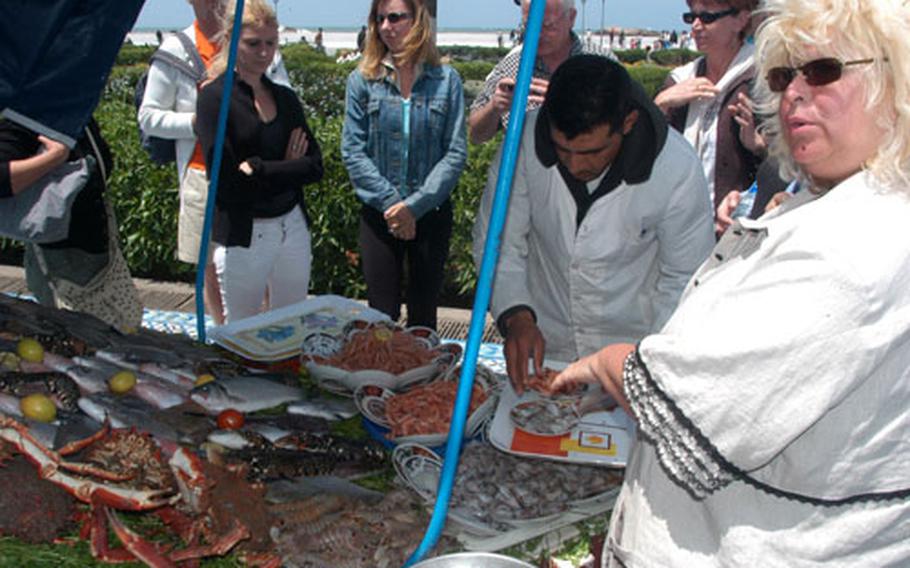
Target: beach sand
344, 40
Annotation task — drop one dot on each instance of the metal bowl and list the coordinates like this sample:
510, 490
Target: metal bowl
473, 560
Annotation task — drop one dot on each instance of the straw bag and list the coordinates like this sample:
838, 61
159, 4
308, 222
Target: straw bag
110, 295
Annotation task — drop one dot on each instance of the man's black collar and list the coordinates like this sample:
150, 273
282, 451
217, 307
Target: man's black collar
633, 164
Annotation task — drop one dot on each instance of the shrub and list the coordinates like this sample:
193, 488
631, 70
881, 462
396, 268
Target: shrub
134, 54
673, 57
651, 77
473, 70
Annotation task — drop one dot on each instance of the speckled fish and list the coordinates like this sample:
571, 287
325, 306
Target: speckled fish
244, 393
236, 439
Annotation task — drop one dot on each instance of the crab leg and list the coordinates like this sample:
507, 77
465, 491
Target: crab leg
77, 445
137, 546
222, 546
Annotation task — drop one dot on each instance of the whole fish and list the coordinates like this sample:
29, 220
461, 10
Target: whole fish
126, 412
235, 439
157, 392
244, 393
324, 407
89, 379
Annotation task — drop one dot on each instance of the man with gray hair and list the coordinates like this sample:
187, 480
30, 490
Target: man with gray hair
557, 43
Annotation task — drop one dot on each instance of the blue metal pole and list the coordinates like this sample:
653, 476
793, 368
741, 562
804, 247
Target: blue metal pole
214, 172
511, 145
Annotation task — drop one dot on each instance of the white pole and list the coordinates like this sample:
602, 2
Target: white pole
603, 4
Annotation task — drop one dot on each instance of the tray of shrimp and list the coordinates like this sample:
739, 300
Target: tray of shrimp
377, 353
423, 413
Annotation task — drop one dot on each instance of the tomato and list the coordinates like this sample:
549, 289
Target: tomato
122, 381
38, 407
230, 419
30, 350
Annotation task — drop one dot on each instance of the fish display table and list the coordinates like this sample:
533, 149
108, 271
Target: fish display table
249, 477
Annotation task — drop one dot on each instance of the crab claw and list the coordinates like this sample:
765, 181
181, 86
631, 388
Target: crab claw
189, 471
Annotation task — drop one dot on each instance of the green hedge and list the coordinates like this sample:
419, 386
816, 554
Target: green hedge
145, 194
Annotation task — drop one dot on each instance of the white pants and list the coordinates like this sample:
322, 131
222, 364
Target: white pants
278, 259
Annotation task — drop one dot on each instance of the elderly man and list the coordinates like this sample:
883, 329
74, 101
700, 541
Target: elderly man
609, 216
557, 43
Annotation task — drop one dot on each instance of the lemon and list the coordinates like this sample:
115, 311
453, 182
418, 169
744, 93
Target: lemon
122, 381
38, 407
204, 378
382, 334
30, 350
9, 360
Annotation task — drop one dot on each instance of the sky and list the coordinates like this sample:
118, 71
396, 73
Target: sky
489, 14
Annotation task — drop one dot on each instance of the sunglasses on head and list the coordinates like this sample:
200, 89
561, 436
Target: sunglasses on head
817, 72
707, 17
392, 17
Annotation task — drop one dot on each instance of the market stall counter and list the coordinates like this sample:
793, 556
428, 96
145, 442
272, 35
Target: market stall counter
253, 446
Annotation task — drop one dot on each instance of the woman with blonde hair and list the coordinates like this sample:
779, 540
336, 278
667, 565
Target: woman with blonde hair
260, 226
404, 147
772, 407
168, 111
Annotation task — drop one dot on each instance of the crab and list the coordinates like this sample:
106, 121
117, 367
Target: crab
125, 470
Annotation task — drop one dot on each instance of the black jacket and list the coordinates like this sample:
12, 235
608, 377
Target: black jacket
274, 178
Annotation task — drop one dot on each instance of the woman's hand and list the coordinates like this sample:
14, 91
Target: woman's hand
298, 143
745, 118
401, 221
724, 215
604, 367
776, 200
685, 92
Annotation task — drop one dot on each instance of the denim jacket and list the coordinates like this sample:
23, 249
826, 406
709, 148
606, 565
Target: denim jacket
371, 140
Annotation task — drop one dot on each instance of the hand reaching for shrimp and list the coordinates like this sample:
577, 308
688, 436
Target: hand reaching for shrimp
604, 367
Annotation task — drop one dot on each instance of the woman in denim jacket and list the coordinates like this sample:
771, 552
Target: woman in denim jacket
404, 147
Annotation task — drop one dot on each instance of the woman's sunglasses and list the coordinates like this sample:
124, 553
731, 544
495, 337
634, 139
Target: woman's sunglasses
707, 17
392, 17
817, 72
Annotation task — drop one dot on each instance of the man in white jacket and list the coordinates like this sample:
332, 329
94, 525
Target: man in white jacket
608, 218
168, 110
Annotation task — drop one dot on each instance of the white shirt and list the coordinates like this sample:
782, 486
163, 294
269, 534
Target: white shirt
779, 399
618, 276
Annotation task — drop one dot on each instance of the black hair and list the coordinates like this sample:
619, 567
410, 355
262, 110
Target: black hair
585, 92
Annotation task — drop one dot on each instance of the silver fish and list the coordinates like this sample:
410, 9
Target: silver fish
126, 412
154, 390
9, 405
244, 393
90, 380
323, 407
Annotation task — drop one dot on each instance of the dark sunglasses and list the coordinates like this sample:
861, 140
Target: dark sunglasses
392, 17
707, 17
818, 72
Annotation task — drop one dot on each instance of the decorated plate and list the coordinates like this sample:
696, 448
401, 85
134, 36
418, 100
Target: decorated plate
378, 353
371, 401
420, 467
